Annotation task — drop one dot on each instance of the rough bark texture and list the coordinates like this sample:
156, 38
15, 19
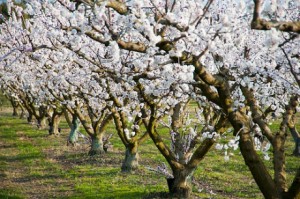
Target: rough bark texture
30, 118
279, 164
41, 122
15, 111
287, 26
14, 104
292, 127
54, 124
73, 135
180, 186
294, 190
261, 24
257, 167
241, 124
278, 144
22, 114
131, 158
96, 145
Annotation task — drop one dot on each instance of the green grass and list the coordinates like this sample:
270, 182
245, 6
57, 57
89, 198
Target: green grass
10, 194
35, 165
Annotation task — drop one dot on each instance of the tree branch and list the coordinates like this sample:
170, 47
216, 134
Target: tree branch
261, 24
257, 115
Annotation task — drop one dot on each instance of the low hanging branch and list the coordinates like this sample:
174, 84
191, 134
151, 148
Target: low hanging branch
261, 24
118, 6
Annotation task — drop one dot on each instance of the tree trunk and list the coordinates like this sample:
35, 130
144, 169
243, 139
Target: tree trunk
279, 164
54, 124
14, 104
180, 186
96, 145
22, 114
41, 122
296, 137
131, 158
73, 135
296, 152
257, 167
30, 118
15, 111
294, 190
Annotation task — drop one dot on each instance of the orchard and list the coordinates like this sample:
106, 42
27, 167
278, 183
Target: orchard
191, 76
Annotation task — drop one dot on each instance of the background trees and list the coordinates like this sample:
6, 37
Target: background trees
164, 54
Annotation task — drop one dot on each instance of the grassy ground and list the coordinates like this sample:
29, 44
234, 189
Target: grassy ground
34, 165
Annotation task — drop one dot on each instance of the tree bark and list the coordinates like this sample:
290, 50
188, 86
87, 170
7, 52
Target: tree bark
54, 124
257, 167
297, 147
181, 185
241, 124
296, 138
294, 190
73, 135
15, 111
22, 114
261, 24
41, 122
14, 104
131, 158
96, 145
279, 164
30, 118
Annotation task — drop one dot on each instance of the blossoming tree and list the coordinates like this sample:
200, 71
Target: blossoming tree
170, 52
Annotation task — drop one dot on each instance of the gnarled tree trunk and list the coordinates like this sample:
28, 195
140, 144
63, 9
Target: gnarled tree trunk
41, 122
73, 135
296, 138
131, 158
96, 145
257, 168
181, 185
14, 104
22, 114
279, 163
54, 121
30, 118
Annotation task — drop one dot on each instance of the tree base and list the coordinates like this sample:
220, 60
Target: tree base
95, 152
54, 134
126, 169
178, 192
130, 162
70, 143
108, 148
129, 166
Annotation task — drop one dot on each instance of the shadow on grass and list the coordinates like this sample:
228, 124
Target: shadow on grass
153, 195
45, 176
82, 159
127, 195
21, 157
13, 134
9, 146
